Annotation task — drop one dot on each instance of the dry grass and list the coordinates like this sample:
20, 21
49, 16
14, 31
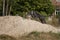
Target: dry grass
6, 37
54, 22
41, 36
33, 36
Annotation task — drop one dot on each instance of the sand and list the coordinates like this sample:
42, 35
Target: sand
16, 25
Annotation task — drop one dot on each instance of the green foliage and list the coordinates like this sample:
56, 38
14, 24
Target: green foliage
35, 33
20, 6
37, 5
43, 13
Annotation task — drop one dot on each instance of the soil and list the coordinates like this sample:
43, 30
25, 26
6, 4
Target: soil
16, 25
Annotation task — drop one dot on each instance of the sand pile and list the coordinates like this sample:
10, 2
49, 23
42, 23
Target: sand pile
16, 25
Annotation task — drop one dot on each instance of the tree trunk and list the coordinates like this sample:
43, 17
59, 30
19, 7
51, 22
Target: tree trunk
9, 10
7, 7
3, 7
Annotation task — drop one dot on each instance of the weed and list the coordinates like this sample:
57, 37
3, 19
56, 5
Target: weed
6, 37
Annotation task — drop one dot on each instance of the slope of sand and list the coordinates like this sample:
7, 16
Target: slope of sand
16, 25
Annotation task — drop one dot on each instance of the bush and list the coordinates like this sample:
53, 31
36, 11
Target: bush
43, 13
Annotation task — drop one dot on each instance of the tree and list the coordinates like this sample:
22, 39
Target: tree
20, 7
37, 5
6, 4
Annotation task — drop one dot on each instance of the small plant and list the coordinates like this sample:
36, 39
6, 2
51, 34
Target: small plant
6, 37
41, 36
35, 33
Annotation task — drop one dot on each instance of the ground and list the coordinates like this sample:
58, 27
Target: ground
17, 26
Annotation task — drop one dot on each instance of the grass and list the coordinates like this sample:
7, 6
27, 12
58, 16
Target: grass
54, 22
33, 36
6, 37
41, 36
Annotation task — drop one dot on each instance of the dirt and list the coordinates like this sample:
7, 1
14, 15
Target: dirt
16, 25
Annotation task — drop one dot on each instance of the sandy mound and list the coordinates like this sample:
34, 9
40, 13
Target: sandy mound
16, 25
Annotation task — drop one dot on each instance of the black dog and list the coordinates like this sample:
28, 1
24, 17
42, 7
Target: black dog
35, 14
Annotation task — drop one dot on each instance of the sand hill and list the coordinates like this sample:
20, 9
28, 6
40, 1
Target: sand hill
16, 25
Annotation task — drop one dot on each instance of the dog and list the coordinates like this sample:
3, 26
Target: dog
35, 14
